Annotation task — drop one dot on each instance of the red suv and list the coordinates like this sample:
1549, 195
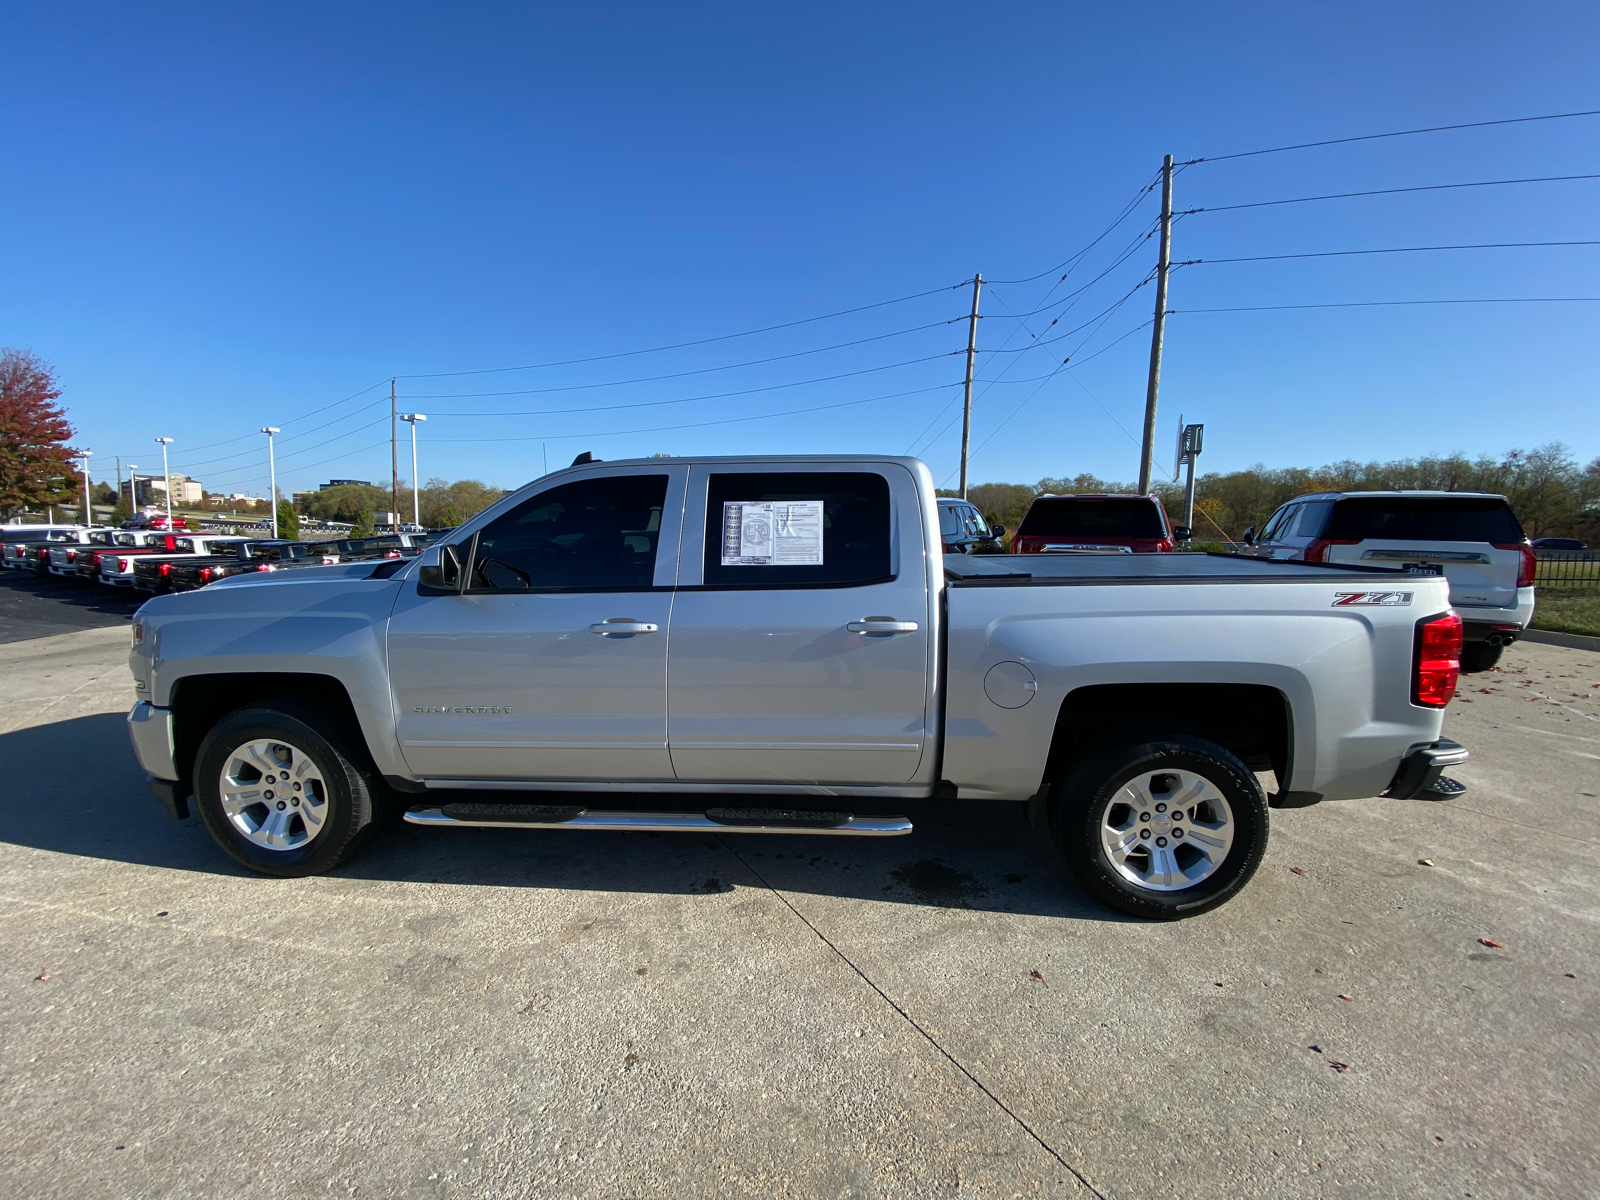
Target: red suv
1103, 524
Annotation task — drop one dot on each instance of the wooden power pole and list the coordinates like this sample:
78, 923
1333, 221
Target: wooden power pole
394, 458
966, 407
1153, 388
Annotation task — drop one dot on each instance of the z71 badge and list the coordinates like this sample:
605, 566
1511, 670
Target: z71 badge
1364, 599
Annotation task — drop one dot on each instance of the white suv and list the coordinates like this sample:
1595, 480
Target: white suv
1472, 537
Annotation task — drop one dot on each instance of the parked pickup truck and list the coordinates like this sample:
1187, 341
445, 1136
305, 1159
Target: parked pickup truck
30, 551
125, 545
252, 556
778, 645
153, 572
63, 558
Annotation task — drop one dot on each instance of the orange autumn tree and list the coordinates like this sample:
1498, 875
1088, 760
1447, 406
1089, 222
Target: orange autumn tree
36, 464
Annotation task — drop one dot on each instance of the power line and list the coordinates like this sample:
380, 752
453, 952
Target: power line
754, 362
1194, 262
774, 387
557, 437
1388, 303
1127, 212
845, 312
1369, 137
1431, 187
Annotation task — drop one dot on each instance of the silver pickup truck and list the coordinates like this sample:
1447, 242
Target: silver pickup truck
779, 645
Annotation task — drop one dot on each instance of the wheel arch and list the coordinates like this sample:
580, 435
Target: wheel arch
1253, 721
199, 701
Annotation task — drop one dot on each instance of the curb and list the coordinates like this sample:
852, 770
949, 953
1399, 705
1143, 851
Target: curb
1573, 641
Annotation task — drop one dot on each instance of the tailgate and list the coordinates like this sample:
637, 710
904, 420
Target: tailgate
1480, 575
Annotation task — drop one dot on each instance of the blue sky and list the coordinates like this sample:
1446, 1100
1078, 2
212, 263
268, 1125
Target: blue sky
221, 217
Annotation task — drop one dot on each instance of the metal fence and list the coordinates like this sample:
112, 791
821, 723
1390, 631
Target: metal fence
1569, 570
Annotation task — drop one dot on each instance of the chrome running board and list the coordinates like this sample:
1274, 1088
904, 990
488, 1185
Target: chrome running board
713, 820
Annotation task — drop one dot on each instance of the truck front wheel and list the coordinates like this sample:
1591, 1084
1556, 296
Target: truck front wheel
1161, 827
282, 791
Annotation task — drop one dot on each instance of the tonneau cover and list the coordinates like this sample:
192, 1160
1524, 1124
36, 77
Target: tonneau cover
1046, 569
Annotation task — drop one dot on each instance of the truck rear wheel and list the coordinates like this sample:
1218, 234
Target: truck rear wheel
1479, 656
1161, 827
283, 791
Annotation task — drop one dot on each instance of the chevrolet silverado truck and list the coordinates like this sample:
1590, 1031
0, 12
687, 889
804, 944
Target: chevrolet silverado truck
779, 645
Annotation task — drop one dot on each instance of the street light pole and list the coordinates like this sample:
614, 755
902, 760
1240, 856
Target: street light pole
166, 473
416, 503
272, 474
88, 511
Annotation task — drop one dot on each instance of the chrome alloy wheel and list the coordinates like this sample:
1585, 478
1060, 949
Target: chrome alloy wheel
273, 794
1166, 830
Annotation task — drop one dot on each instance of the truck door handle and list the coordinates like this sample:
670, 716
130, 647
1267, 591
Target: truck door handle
882, 625
622, 627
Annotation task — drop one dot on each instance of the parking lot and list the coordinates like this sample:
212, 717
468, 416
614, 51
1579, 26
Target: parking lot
1402, 1003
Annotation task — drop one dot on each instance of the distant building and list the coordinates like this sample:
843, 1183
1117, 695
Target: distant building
152, 489
333, 483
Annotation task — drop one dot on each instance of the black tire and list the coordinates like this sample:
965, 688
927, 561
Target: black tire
355, 795
1480, 656
1082, 804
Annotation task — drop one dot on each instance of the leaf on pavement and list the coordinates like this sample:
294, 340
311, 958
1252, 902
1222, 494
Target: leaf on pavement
1491, 943
1342, 996
1338, 1066
1036, 976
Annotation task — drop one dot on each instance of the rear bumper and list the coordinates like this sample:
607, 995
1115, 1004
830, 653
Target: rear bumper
1419, 770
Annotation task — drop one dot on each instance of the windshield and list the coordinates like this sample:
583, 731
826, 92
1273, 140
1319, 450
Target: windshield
1076, 516
1424, 518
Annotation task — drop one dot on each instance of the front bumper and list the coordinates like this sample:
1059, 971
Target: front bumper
1419, 770
150, 729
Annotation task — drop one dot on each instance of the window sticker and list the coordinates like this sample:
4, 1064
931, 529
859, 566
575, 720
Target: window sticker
772, 533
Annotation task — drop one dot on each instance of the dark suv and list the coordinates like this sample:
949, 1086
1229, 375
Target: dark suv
1097, 524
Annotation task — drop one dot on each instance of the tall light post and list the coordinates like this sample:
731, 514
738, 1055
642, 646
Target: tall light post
133, 488
272, 471
88, 512
166, 473
416, 503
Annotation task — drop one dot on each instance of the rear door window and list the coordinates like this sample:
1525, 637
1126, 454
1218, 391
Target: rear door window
596, 534
1312, 519
1069, 516
798, 529
1424, 519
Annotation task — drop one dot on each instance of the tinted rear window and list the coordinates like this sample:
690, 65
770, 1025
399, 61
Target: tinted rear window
1070, 517
1424, 518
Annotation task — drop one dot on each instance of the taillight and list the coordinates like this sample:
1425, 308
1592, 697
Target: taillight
122, 566
1530, 561
1438, 661
1317, 551
205, 573
72, 556
166, 568
265, 567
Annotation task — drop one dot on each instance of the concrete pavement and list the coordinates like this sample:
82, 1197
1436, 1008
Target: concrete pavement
545, 1014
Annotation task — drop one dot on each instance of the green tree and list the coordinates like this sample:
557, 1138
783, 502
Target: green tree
446, 505
365, 523
122, 511
288, 521
346, 502
36, 464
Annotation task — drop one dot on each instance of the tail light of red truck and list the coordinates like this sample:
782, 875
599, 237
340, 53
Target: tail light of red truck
1437, 661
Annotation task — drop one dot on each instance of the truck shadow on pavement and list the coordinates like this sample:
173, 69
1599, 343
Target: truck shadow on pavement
75, 789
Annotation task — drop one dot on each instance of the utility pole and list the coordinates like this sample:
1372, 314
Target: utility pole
1152, 389
966, 406
166, 474
416, 503
88, 509
394, 461
272, 475
119, 484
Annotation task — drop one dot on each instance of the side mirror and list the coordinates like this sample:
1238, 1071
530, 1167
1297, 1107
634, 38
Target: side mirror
997, 531
1249, 538
440, 568
1182, 532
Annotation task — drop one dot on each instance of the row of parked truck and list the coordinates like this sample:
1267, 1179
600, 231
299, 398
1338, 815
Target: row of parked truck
158, 560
